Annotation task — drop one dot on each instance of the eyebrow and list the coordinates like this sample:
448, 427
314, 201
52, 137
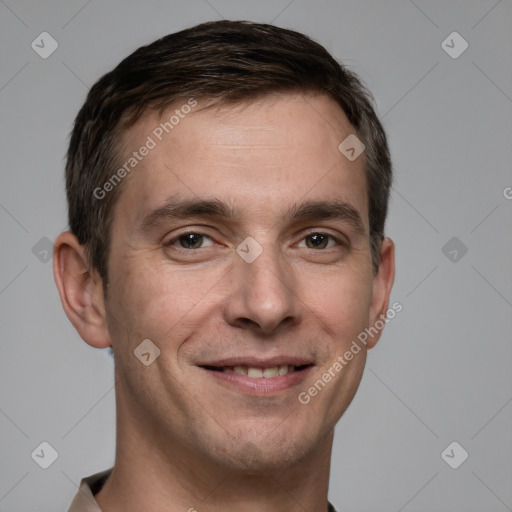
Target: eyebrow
213, 208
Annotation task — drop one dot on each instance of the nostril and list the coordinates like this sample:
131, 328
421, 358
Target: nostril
248, 322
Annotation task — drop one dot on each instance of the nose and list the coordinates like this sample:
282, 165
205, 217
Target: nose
263, 295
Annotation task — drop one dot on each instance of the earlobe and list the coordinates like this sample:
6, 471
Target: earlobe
382, 284
81, 291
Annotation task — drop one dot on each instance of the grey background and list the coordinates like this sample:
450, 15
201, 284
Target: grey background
441, 371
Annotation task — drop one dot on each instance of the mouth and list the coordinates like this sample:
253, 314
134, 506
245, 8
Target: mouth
258, 372
258, 377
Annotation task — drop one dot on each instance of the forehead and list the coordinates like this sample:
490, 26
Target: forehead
257, 156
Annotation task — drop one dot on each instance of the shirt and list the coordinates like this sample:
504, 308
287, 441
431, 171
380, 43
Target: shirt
84, 500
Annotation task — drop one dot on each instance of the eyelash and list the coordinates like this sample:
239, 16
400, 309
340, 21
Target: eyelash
173, 241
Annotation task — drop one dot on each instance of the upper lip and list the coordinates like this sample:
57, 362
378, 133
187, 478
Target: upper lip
258, 362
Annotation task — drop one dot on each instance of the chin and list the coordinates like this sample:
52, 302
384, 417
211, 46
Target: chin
264, 451
253, 459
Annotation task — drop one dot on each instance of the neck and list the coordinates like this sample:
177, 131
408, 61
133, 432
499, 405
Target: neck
155, 473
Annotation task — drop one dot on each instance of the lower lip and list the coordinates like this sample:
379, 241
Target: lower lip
260, 386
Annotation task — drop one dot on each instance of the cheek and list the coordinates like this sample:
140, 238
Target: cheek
342, 300
151, 301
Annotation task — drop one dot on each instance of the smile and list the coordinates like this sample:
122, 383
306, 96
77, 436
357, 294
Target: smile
258, 377
255, 372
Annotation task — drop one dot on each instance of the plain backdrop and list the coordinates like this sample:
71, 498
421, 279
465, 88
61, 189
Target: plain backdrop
442, 370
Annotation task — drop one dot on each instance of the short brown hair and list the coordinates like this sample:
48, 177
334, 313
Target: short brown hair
228, 62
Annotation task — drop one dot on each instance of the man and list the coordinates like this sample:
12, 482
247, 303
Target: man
227, 189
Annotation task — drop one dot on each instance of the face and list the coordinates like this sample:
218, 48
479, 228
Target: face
240, 248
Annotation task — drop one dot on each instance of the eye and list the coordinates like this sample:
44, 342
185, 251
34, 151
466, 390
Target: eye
319, 241
191, 240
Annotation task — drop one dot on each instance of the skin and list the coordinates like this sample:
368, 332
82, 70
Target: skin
185, 440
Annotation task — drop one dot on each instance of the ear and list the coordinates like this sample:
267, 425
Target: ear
81, 291
382, 284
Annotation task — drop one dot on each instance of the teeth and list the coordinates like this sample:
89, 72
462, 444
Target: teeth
271, 372
254, 372
258, 373
283, 370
